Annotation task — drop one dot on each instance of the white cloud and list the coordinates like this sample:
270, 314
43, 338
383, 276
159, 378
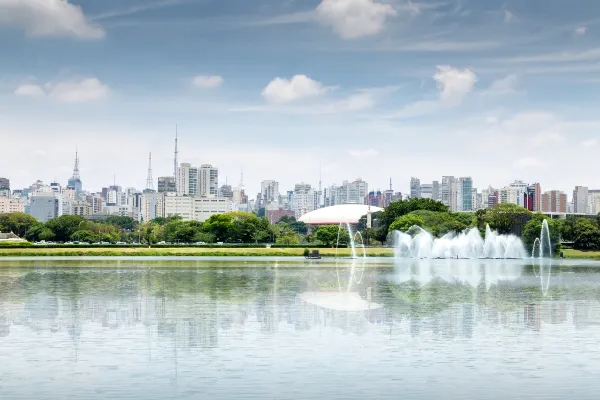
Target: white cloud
544, 138
590, 143
207, 82
454, 84
509, 17
77, 91
503, 86
48, 18
529, 162
363, 154
354, 18
281, 90
30, 90
580, 31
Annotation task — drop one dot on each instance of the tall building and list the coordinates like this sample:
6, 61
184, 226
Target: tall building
509, 195
45, 206
226, 191
187, 180
435, 191
303, 199
11, 205
182, 206
376, 199
415, 188
594, 201
389, 194
269, 191
580, 200
75, 181
448, 187
348, 193
554, 201
4, 187
533, 197
208, 181
152, 206
466, 189
425, 191
520, 188
167, 184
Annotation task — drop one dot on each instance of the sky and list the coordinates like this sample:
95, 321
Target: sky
290, 89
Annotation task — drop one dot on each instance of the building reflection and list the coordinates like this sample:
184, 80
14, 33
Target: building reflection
301, 301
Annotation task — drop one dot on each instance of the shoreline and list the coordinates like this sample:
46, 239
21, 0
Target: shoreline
371, 252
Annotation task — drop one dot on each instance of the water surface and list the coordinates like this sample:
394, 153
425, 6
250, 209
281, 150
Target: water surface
248, 329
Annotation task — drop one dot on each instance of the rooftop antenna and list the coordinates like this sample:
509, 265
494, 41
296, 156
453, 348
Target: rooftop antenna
149, 180
76, 167
391, 184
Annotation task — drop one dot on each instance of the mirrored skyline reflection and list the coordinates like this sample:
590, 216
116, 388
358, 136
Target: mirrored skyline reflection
276, 331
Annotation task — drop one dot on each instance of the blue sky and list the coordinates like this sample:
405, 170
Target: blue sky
374, 89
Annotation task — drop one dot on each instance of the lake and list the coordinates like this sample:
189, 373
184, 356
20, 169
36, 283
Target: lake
250, 328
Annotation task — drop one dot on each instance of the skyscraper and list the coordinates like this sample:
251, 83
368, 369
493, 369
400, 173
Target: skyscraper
580, 200
466, 184
415, 188
208, 181
166, 184
75, 181
4, 187
554, 201
269, 190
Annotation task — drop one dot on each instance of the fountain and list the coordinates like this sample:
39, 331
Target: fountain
352, 241
467, 244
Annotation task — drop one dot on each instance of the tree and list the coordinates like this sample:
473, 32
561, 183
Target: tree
46, 234
220, 226
329, 234
532, 231
397, 209
85, 236
506, 216
17, 223
64, 226
125, 223
288, 219
587, 235
405, 222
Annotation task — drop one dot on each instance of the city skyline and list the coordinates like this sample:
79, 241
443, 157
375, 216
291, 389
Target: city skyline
493, 90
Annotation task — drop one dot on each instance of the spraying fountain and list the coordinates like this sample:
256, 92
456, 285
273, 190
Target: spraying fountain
352, 240
418, 243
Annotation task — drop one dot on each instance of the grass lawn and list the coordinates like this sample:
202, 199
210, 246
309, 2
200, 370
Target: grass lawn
182, 251
570, 253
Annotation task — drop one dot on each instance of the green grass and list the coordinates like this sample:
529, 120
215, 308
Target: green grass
181, 251
571, 253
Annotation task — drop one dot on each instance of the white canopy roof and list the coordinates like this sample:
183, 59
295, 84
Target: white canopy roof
342, 213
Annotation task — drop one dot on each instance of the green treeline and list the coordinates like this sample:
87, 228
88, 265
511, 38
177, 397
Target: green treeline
247, 228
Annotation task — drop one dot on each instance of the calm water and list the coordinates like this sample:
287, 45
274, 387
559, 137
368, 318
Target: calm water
267, 329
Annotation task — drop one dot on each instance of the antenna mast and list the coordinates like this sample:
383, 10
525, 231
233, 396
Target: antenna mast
149, 180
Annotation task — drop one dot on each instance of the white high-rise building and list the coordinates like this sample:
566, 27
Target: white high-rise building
520, 188
179, 205
152, 206
348, 193
270, 192
508, 195
303, 199
208, 181
187, 180
580, 200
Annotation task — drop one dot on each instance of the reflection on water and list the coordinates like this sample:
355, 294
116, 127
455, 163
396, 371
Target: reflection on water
424, 329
